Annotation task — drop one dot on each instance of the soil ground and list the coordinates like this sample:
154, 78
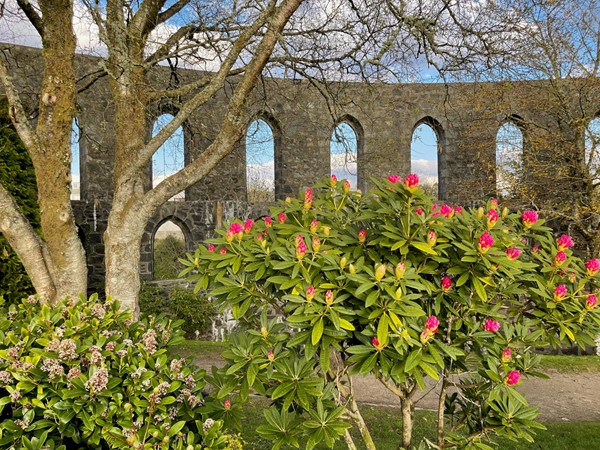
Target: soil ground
562, 398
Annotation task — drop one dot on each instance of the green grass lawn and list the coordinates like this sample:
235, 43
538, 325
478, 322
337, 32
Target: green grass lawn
385, 422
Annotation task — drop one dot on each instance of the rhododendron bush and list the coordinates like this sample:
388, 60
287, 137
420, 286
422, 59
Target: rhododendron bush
391, 284
84, 374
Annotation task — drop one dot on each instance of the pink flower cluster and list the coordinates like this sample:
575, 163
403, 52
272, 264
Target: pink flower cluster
560, 291
492, 218
248, 224
512, 377
411, 182
564, 242
446, 284
560, 258
513, 253
592, 266
394, 179
485, 242
491, 325
431, 327
281, 217
333, 181
268, 221
591, 302
529, 218
316, 244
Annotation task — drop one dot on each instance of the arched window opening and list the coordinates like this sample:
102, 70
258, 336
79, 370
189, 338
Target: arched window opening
260, 162
592, 149
509, 158
75, 162
168, 246
169, 158
424, 149
343, 148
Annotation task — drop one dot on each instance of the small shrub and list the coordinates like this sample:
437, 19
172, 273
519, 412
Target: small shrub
83, 374
167, 252
195, 310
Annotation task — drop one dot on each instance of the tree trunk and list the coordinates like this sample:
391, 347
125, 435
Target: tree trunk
407, 422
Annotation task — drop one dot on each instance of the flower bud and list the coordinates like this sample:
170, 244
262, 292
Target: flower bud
411, 182
314, 225
333, 181
380, 272
310, 293
506, 355
326, 230
398, 293
480, 212
351, 268
316, 244
400, 270
329, 297
229, 237
346, 186
362, 236
431, 238
343, 262
504, 212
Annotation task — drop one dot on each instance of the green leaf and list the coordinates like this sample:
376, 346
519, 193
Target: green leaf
479, 289
382, 329
423, 247
317, 332
413, 360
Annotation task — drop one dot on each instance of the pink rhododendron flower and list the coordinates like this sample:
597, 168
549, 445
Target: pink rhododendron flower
491, 325
592, 266
572, 277
310, 293
316, 244
535, 249
333, 181
564, 242
492, 218
236, 228
329, 297
560, 292
376, 344
211, 248
300, 250
485, 242
248, 225
494, 203
506, 355
308, 198
431, 238
281, 218
529, 217
314, 226
271, 356
419, 211
268, 222
223, 250
447, 211
432, 323
512, 377
513, 253
411, 182
560, 258
362, 236
227, 405
458, 209
446, 284
298, 240
399, 270
346, 186
229, 236
591, 302
394, 179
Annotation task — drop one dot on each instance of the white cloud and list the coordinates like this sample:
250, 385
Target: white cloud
261, 175
426, 169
